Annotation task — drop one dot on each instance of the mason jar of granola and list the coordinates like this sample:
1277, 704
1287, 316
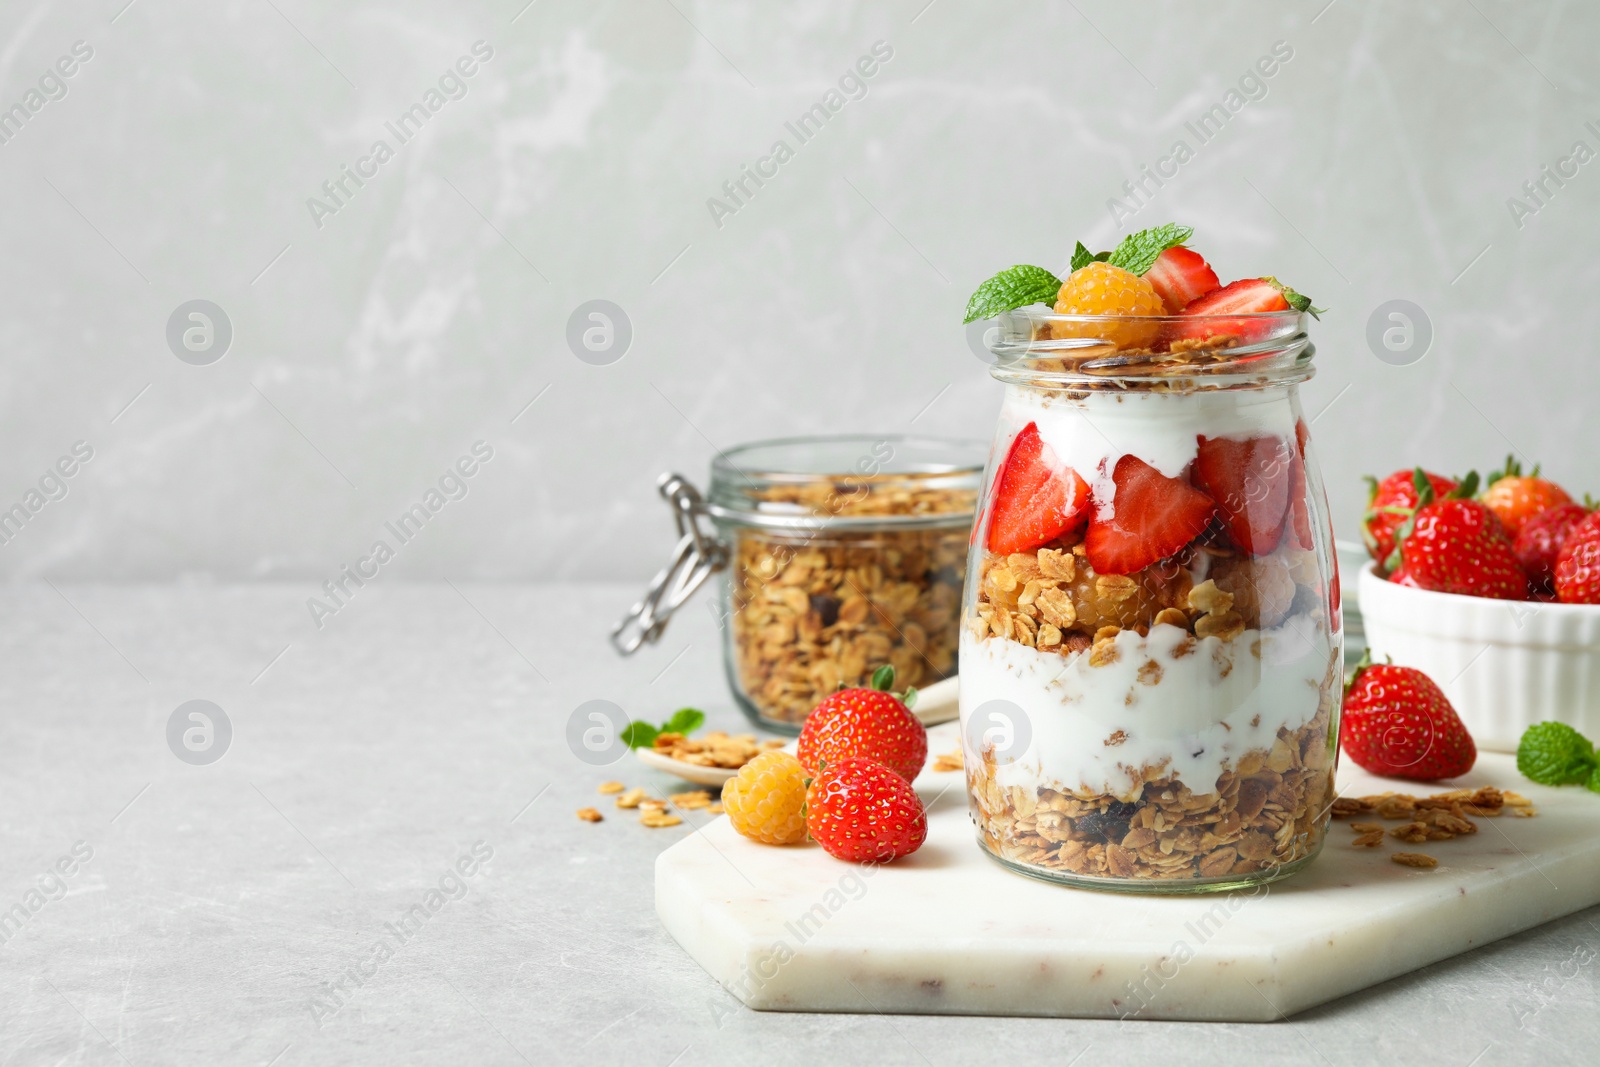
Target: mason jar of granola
1150, 657
837, 555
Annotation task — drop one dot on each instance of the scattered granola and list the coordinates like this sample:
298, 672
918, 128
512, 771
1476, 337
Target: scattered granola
814, 611
658, 819
715, 749
632, 798
948, 761
612, 787
692, 800
1414, 859
590, 815
1439, 817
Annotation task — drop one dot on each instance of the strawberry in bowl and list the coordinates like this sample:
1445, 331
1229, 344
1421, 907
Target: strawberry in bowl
1494, 595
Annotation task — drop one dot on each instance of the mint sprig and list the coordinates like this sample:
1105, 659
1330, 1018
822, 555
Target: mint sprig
1553, 753
640, 734
1138, 252
1082, 257
1012, 288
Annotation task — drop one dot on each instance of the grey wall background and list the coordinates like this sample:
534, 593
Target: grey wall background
372, 351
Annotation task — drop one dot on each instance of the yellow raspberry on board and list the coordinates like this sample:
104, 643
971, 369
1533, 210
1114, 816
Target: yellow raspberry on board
1101, 289
766, 800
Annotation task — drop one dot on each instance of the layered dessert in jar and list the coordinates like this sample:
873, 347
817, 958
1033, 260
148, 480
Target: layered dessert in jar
1150, 658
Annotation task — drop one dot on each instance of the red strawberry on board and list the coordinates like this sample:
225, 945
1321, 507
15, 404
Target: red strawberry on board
1179, 275
871, 723
1578, 566
1250, 480
1399, 724
1148, 518
1037, 498
1457, 545
1389, 504
862, 812
1246, 297
1539, 544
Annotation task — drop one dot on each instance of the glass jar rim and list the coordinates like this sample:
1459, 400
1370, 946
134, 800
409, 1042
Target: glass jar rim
1039, 347
750, 481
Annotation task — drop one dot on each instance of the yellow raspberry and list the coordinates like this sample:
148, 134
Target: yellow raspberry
766, 801
1101, 289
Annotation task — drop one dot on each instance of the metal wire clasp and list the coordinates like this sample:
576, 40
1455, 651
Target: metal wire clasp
697, 556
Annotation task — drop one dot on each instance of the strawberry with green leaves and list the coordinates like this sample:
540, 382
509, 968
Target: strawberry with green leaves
1456, 545
1390, 504
1398, 723
1515, 497
1212, 316
871, 723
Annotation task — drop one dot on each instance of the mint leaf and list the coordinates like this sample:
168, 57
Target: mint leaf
1553, 753
1594, 780
1082, 257
1012, 288
639, 734
1138, 252
684, 721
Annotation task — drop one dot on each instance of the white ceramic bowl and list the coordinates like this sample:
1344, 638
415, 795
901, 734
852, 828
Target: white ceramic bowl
1504, 664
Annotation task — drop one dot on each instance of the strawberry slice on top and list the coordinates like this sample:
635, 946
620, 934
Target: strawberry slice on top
1037, 497
1246, 297
1250, 480
1148, 518
1180, 275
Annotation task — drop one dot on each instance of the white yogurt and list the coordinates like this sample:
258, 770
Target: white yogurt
1206, 709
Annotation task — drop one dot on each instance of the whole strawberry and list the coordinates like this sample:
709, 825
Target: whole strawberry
863, 812
1578, 566
1515, 498
1539, 544
1389, 504
873, 723
1456, 545
1398, 724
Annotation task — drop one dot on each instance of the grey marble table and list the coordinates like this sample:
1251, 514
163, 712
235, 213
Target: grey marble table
384, 865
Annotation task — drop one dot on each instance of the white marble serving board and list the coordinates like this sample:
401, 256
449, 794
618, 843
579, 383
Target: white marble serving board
949, 931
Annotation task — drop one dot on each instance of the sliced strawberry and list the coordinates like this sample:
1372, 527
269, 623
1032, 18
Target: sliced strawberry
1250, 481
1180, 275
1299, 512
1246, 297
1037, 498
1149, 518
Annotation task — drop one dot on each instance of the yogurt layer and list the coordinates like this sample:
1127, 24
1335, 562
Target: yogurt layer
1159, 428
1194, 705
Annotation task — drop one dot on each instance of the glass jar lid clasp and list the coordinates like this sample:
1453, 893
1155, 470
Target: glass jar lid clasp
697, 556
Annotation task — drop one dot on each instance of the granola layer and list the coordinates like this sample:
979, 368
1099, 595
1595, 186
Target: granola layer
1270, 809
